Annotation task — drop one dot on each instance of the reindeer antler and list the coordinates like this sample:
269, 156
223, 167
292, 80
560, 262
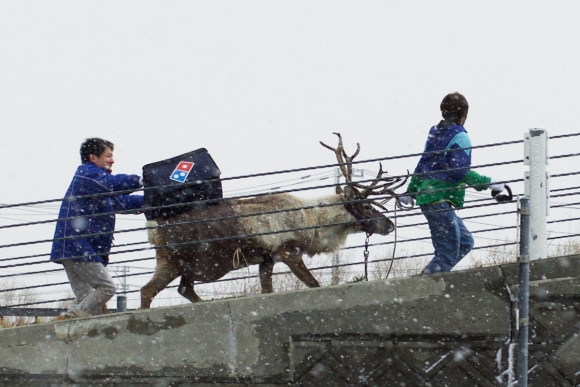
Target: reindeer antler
344, 161
386, 186
379, 186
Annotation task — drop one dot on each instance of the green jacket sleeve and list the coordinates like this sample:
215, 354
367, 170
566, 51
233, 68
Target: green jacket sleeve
477, 181
413, 184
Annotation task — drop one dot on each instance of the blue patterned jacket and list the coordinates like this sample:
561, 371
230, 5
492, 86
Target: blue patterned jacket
443, 172
86, 221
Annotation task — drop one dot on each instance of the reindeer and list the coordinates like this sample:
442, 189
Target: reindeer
205, 244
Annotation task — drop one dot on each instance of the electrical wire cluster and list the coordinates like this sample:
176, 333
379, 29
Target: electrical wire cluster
28, 279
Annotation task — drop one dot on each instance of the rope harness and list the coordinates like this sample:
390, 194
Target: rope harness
236, 259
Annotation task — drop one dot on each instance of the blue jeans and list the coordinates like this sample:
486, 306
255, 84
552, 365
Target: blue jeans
451, 239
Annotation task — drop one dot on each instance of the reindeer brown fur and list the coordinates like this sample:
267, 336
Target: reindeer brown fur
205, 244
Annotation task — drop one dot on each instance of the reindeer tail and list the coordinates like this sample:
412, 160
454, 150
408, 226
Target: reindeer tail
152, 231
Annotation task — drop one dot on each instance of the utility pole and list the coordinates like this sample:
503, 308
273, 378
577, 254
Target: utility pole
335, 259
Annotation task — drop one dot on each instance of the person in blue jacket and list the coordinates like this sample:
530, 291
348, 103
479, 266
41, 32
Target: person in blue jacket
86, 221
439, 181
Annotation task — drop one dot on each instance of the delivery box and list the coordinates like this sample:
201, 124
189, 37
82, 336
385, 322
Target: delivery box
180, 184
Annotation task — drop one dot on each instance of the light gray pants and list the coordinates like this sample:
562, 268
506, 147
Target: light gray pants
92, 286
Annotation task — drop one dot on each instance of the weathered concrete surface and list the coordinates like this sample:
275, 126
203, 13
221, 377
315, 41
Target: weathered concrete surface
435, 330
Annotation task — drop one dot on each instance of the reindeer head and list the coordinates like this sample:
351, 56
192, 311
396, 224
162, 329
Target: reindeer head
356, 195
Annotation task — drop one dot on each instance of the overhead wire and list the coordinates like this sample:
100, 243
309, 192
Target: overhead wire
295, 182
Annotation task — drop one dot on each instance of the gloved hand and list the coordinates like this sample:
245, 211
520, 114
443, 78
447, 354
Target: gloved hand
497, 187
406, 200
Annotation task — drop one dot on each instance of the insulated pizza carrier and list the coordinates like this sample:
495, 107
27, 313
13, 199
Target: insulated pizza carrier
180, 184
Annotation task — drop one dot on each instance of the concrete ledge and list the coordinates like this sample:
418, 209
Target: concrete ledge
249, 339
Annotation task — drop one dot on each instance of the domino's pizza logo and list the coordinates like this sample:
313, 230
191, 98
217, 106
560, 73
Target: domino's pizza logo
181, 172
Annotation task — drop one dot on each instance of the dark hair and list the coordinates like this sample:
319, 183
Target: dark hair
454, 106
94, 146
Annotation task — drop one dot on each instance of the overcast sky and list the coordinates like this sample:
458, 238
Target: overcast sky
260, 83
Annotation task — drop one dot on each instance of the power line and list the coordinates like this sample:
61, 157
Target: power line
477, 207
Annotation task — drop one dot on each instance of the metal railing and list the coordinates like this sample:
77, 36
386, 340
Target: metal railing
26, 230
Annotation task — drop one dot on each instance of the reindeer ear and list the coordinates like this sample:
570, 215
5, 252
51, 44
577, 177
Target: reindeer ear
348, 191
338, 189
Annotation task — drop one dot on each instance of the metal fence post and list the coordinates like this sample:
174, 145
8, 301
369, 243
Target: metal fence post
524, 292
121, 303
533, 235
536, 156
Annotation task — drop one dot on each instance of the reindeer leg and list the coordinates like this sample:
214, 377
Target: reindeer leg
186, 289
293, 259
266, 270
165, 272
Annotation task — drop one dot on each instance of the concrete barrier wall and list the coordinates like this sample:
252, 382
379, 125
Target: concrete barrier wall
437, 330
